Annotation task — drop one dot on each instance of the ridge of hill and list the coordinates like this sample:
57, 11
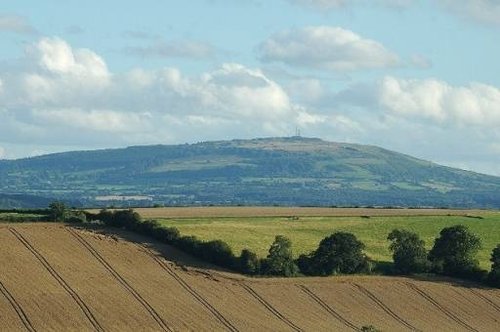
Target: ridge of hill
264, 171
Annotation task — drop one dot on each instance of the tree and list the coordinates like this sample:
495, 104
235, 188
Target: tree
58, 211
494, 275
454, 251
340, 252
279, 261
408, 252
249, 263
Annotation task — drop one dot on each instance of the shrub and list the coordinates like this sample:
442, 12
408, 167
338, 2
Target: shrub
249, 263
217, 252
409, 252
494, 275
167, 234
189, 244
279, 261
127, 219
454, 253
340, 252
76, 217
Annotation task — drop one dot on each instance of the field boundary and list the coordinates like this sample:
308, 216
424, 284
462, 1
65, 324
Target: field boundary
329, 309
436, 304
384, 307
17, 308
83, 306
223, 320
121, 280
270, 307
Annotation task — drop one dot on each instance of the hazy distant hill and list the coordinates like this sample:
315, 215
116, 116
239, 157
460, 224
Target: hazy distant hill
282, 171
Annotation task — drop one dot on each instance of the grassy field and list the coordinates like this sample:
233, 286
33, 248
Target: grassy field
257, 233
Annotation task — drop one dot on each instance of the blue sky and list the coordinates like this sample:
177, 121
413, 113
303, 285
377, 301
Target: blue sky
419, 77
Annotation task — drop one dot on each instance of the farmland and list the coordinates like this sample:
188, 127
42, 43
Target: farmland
57, 277
255, 228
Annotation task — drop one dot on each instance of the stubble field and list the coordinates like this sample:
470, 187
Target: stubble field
56, 277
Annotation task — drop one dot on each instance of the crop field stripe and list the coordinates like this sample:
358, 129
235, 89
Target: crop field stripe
191, 291
121, 280
86, 310
485, 299
269, 307
17, 308
329, 309
384, 307
448, 313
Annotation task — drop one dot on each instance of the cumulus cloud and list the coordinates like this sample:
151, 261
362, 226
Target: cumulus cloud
475, 104
335, 4
16, 24
420, 61
483, 11
324, 47
67, 95
173, 49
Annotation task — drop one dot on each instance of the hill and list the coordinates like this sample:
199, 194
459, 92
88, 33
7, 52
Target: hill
56, 277
272, 171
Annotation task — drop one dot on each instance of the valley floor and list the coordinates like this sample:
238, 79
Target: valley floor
58, 278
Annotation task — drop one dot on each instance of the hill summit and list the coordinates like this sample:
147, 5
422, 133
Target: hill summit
265, 171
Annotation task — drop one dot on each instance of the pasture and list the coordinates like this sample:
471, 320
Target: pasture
255, 228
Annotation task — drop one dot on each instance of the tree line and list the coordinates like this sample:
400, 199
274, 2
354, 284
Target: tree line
453, 253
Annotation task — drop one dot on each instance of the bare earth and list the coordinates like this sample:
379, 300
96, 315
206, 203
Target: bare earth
59, 278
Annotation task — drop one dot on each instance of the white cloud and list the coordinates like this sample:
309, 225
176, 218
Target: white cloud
483, 11
57, 56
324, 47
95, 120
420, 61
475, 104
173, 49
66, 95
335, 4
16, 24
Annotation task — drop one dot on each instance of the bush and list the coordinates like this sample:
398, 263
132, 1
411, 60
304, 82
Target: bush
494, 275
279, 261
409, 252
454, 253
76, 217
249, 263
217, 252
127, 219
189, 244
339, 253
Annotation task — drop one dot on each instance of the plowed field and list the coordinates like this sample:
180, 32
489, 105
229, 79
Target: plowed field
60, 278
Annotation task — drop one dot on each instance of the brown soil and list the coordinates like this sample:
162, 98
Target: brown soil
59, 278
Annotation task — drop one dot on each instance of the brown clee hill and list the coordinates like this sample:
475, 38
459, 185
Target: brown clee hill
60, 278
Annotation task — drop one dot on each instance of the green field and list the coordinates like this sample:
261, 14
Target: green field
257, 233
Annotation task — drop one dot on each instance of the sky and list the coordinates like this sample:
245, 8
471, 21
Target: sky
421, 77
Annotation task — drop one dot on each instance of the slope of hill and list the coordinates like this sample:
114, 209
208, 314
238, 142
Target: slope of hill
273, 171
56, 277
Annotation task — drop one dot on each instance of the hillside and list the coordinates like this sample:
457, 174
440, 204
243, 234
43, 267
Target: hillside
56, 277
273, 171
